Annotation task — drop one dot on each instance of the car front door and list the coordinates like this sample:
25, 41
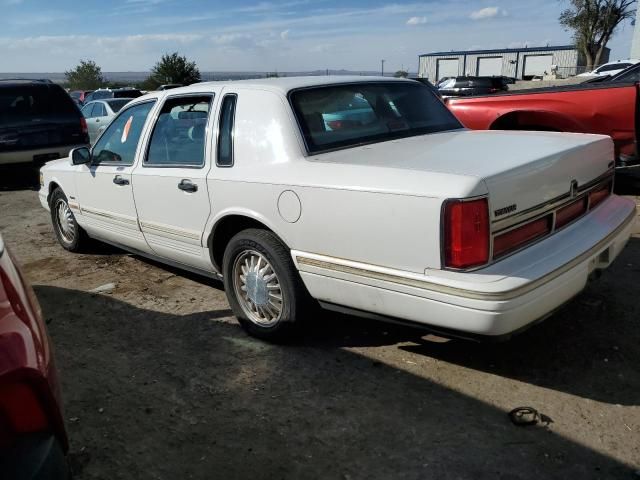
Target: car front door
104, 186
169, 185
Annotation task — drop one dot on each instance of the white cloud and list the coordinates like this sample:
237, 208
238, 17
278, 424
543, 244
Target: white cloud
417, 21
284, 35
487, 12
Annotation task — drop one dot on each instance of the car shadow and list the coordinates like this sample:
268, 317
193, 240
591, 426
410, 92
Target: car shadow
160, 395
576, 350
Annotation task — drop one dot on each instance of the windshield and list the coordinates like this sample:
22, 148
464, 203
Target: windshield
352, 114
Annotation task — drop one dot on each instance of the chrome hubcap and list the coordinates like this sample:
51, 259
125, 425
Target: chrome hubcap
257, 288
66, 222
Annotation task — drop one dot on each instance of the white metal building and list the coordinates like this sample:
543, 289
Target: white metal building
520, 63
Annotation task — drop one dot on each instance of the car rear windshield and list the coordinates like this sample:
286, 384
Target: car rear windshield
116, 105
341, 116
127, 93
34, 101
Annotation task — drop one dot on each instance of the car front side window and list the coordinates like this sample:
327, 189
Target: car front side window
119, 142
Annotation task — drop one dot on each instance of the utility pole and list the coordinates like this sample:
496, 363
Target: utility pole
382, 69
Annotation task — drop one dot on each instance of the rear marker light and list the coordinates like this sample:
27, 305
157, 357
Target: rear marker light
466, 233
83, 125
512, 240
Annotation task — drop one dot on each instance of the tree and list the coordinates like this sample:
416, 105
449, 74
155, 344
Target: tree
86, 76
175, 68
401, 74
593, 23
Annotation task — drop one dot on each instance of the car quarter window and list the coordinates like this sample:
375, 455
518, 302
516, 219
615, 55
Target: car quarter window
178, 137
225, 131
119, 142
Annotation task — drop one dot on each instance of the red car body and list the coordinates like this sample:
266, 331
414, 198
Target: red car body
607, 109
33, 440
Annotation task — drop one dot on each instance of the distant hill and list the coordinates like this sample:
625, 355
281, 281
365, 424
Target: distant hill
135, 77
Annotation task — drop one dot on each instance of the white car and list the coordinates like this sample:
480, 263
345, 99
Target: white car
610, 69
290, 191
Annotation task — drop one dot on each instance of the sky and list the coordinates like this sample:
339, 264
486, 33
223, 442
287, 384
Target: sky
275, 35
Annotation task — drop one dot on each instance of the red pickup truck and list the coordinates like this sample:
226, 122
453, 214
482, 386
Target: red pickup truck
606, 108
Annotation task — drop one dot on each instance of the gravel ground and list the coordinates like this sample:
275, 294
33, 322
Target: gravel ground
159, 381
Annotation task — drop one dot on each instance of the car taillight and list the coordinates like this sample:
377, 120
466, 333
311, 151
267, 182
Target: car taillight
513, 239
20, 412
83, 125
569, 213
597, 196
466, 233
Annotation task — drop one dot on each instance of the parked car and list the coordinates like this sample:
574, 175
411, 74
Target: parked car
38, 122
33, 440
606, 108
104, 93
467, 86
80, 95
610, 69
100, 112
401, 213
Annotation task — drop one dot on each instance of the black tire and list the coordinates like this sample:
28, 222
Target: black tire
73, 238
295, 302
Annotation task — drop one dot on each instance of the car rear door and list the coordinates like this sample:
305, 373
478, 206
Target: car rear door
169, 185
104, 187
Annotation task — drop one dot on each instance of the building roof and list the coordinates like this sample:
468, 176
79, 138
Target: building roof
502, 50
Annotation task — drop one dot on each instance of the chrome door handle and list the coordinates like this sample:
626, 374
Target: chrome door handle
188, 186
118, 180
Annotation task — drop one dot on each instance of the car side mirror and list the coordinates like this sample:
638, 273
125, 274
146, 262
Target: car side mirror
80, 156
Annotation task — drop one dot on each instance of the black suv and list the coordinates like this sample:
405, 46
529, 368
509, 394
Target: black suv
467, 86
38, 122
103, 93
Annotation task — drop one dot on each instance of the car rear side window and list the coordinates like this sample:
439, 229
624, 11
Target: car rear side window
342, 116
225, 132
98, 110
178, 137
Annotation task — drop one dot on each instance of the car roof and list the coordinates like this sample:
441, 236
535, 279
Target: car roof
282, 85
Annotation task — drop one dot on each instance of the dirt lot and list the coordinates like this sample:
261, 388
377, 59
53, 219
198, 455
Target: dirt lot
159, 381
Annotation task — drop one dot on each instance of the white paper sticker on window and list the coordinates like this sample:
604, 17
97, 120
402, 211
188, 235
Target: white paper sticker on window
125, 132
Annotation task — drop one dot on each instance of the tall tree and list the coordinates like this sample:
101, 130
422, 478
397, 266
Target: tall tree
175, 68
593, 23
86, 76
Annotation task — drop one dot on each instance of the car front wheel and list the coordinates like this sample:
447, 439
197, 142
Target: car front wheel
263, 286
69, 234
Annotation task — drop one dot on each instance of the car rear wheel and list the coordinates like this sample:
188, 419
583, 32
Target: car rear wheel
69, 234
263, 286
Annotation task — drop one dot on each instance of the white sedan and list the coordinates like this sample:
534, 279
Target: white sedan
364, 195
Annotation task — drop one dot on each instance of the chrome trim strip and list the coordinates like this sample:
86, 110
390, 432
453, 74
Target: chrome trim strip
540, 210
178, 232
471, 294
111, 216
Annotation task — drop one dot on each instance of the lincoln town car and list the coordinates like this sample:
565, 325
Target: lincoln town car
358, 194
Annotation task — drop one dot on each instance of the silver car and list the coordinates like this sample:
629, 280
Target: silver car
99, 114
